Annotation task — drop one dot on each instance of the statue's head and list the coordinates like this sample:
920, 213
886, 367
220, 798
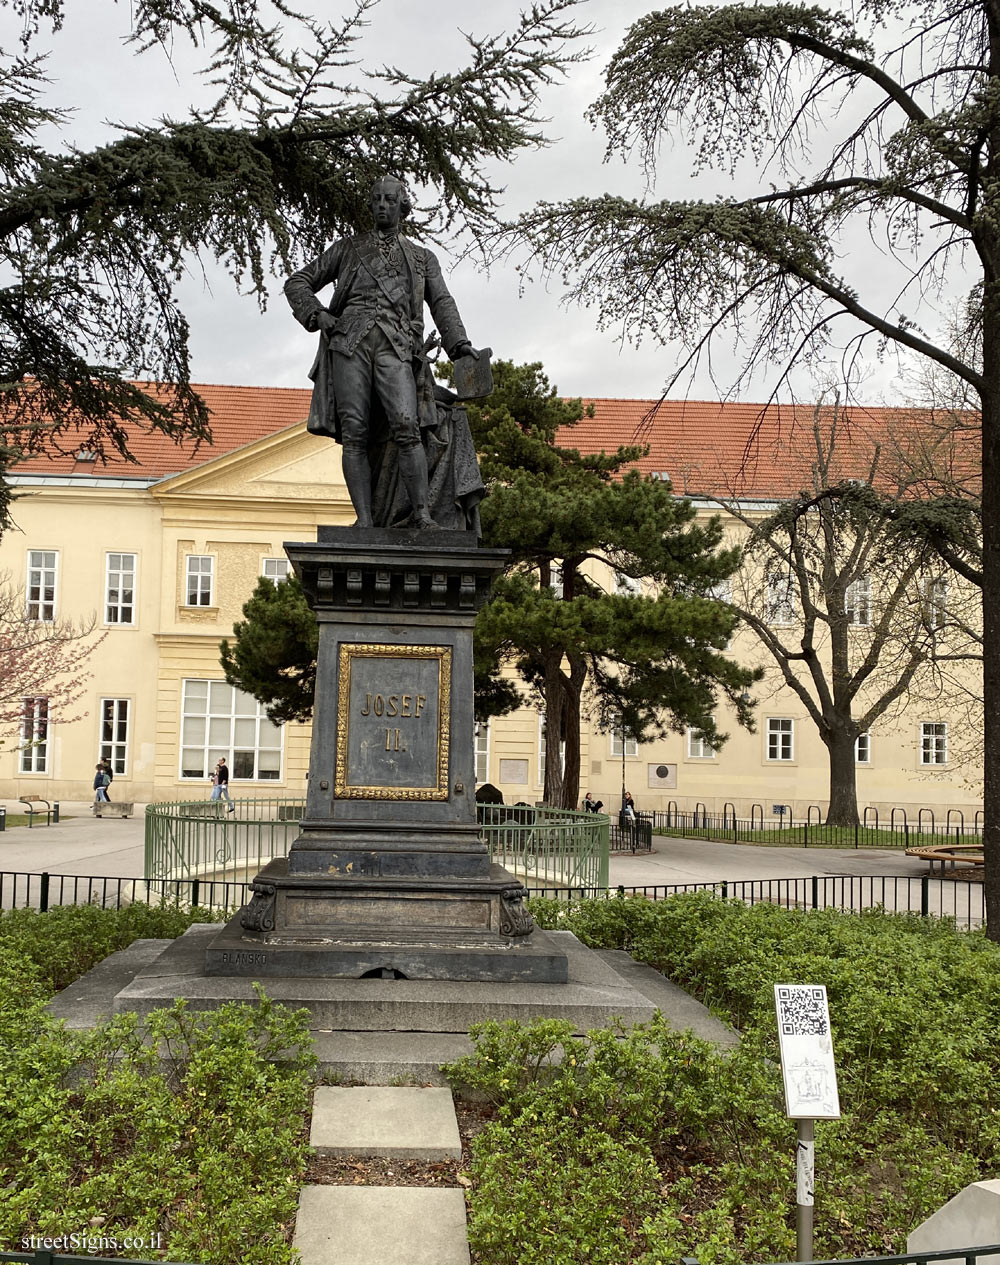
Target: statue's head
389, 202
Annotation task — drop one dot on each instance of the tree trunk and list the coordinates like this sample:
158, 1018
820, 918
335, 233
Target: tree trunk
571, 734
987, 240
552, 791
843, 810
991, 633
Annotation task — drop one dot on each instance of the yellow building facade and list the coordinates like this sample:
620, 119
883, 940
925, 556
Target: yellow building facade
162, 559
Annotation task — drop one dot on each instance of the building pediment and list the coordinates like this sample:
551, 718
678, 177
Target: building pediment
291, 465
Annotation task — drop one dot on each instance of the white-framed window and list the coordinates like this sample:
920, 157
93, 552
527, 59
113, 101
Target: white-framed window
119, 588
482, 750
780, 738
114, 733
627, 585
541, 749
936, 602
863, 749
780, 596
933, 742
698, 748
556, 579
218, 720
858, 601
631, 745
275, 569
200, 574
43, 566
34, 754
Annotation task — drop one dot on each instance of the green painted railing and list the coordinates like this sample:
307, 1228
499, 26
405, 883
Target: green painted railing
548, 847
544, 847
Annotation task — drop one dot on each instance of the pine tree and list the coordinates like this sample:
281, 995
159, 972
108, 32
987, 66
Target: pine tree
607, 605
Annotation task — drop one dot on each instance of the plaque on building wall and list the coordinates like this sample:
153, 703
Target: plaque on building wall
514, 772
393, 722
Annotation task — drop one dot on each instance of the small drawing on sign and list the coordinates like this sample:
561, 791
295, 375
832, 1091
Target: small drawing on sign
812, 1084
802, 1012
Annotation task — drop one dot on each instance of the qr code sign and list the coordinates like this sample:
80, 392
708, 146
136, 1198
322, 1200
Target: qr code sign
802, 1011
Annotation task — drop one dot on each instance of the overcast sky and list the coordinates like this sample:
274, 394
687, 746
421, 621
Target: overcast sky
233, 343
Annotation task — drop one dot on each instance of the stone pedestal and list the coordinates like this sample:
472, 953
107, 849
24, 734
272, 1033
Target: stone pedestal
389, 875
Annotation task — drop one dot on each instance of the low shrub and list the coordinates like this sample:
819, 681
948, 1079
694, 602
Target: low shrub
699, 1140
190, 1126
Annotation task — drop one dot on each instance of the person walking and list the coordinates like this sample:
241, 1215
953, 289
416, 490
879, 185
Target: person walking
109, 773
100, 786
220, 784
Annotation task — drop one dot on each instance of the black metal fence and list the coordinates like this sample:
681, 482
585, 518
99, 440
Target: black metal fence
920, 895
632, 835
895, 829
43, 1257
970, 1255
44, 891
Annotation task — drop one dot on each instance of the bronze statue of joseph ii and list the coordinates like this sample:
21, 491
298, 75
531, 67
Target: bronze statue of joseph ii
372, 380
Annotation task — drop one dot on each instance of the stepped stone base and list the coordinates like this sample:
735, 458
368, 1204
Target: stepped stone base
356, 927
594, 994
381, 1031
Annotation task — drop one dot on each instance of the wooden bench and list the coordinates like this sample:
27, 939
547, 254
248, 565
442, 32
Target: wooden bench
30, 802
119, 808
949, 854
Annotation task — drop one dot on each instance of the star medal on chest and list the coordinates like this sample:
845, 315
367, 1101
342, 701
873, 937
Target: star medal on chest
388, 246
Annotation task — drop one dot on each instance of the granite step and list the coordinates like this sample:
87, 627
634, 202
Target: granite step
396, 1122
388, 1058
383, 1225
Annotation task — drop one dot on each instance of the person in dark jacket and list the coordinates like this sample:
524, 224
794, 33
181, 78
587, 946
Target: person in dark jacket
100, 786
220, 788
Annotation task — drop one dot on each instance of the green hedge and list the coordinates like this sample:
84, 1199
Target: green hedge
197, 1134
651, 1145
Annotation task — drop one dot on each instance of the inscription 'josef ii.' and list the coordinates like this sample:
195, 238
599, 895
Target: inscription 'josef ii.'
392, 728
402, 705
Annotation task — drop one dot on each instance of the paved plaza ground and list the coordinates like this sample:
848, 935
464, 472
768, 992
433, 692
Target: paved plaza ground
111, 846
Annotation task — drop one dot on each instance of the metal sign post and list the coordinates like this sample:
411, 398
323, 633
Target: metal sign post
805, 1186
810, 1080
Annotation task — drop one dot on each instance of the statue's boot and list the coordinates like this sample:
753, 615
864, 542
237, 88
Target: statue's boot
358, 477
413, 471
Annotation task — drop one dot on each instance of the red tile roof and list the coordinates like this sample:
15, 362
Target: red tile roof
706, 448
760, 451
240, 416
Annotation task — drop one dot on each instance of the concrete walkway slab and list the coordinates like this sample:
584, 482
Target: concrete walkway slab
381, 1225
408, 1122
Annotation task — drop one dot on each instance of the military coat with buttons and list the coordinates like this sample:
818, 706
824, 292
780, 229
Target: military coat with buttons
368, 292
